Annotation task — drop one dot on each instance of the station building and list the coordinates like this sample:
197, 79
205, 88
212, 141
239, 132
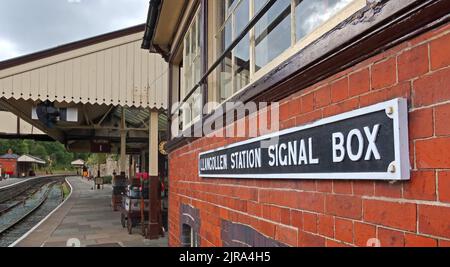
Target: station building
359, 93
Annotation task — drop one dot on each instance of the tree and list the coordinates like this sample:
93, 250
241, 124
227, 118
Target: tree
39, 151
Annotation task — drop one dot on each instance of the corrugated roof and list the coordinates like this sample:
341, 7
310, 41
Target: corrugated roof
9, 156
111, 70
30, 159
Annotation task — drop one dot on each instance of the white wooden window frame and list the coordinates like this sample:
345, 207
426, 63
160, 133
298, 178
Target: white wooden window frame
189, 69
296, 45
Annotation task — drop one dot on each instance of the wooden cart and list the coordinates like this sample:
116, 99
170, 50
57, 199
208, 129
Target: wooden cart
133, 213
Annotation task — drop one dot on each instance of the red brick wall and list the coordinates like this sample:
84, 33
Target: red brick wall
342, 213
8, 165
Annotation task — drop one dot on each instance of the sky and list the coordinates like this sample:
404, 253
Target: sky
28, 26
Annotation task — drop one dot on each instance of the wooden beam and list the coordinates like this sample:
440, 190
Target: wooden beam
53, 133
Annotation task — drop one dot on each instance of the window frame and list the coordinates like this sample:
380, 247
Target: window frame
295, 45
186, 88
264, 71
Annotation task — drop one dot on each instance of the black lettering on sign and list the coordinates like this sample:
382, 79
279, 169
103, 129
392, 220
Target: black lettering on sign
369, 143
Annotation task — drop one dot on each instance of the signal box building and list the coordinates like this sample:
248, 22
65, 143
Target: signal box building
357, 92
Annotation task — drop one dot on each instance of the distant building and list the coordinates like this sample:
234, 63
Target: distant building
8, 164
13, 165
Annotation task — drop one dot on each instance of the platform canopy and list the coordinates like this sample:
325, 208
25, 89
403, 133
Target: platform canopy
109, 69
31, 159
108, 81
78, 163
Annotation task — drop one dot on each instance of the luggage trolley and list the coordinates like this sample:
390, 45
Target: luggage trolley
135, 206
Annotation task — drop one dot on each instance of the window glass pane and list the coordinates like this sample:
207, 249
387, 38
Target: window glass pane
242, 50
194, 39
259, 5
310, 14
272, 32
191, 74
224, 73
197, 70
231, 4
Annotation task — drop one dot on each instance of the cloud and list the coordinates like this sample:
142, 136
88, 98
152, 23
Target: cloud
31, 26
7, 50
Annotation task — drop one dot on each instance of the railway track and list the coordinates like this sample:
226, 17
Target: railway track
23, 212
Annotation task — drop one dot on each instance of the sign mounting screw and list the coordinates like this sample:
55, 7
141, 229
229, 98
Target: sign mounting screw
392, 168
390, 111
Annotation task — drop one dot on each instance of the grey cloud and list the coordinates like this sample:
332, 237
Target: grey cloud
27, 26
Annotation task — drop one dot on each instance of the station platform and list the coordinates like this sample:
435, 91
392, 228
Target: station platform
86, 217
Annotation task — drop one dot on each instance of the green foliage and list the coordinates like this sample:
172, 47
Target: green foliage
53, 152
96, 159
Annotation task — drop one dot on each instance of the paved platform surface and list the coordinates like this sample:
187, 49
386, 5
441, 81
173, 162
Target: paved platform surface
87, 216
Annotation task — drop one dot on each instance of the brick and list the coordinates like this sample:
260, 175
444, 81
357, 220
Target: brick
444, 243
399, 90
386, 189
344, 206
277, 197
325, 225
295, 107
297, 219
363, 188
442, 124
391, 238
444, 186
285, 216
271, 213
439, 55
308, 103
422, 186
310, 240
309, 117
310, 201
284, 111
372, 98
342, 187
265, 228
253, 208
384, 74
310, 222
286, 235
412, 240
432, 89
322, 97
339, 90
341, 107
325, 186
433, 220
413, 63
421, 123
343, 230
393, 214
333, 244
359, 82
363, 233
429, 153
429, 35
306, 185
